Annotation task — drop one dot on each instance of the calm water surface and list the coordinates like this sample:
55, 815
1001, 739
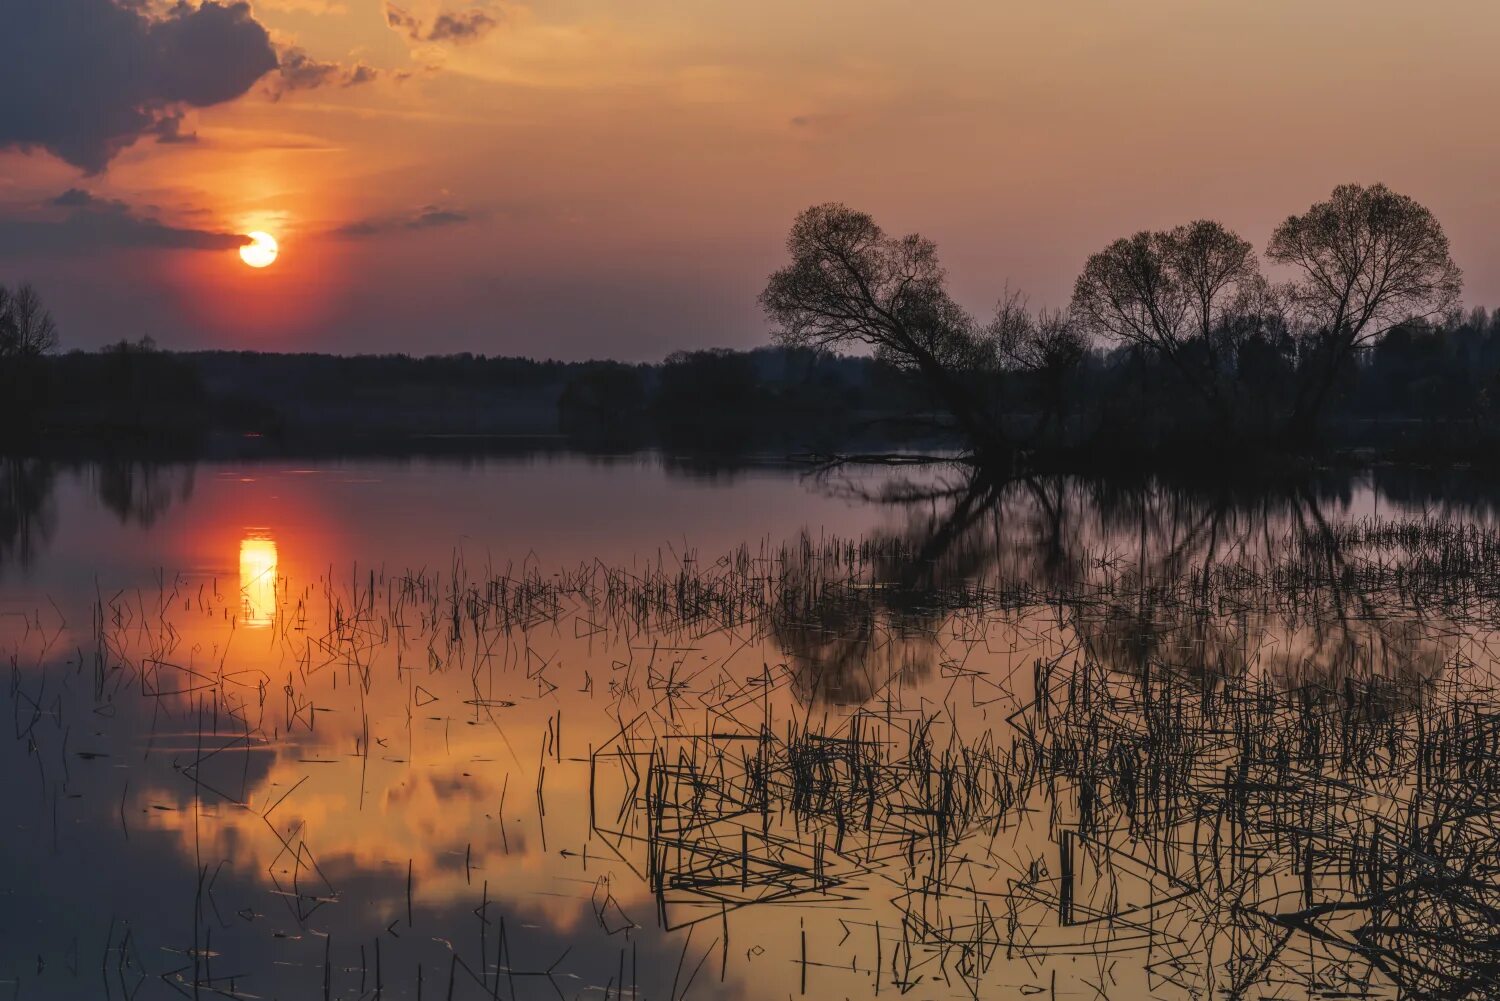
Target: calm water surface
575, 727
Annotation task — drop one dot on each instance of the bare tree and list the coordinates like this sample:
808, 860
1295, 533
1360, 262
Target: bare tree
850, 283
1175, 293
1368, 258
26, 326
1047, 345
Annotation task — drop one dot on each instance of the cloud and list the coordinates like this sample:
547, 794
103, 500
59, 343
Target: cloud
403, 22
87, 78
89, 223
169, 130
457, 26
300, 71
825, 122
360, 73
428, 217
464, 26
75, 197
306, 6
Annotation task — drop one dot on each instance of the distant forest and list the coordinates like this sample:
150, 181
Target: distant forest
1425, 385
1174, 348
136, 391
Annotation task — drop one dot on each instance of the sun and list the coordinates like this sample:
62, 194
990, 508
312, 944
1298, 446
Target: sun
261, 251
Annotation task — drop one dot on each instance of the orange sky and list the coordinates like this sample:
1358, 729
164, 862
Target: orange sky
625, 173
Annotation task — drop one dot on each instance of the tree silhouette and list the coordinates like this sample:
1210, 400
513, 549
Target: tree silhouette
1183, 294
849, 283
26, 326
1367, 259
1048, 346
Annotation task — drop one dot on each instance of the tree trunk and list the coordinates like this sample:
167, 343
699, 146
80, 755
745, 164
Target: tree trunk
985, 436
1312, 393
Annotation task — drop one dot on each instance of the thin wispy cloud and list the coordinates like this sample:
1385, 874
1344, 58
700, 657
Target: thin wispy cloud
323, 7
427, 217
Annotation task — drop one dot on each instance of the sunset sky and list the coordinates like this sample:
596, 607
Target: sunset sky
577, 178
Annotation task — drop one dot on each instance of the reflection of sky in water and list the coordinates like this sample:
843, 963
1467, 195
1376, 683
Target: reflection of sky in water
318, 795
358, 742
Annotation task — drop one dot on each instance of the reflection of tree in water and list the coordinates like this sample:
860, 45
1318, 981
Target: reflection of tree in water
141, 491
1224, 588
851, 629
137, 491
847, 650
1257, 762
1310, 838
27, 515
1215, 583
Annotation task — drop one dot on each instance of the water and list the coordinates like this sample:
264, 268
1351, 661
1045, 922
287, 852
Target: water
577, 727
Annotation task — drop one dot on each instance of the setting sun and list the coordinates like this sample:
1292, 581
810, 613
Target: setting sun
261, 251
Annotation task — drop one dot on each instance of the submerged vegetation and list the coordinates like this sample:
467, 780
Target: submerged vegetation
1036, 734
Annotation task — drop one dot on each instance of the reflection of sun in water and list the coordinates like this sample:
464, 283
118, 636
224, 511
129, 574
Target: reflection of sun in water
257, 580
261, 251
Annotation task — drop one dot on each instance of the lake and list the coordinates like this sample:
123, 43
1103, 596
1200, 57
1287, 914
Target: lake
646, 726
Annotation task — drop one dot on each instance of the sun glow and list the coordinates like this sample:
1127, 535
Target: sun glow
261, 251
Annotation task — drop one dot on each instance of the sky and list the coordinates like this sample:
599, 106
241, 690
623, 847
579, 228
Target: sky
615, 178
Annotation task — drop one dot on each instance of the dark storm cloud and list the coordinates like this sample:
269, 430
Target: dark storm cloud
429, 217
84, 79
458, 26
88, 223
300, 71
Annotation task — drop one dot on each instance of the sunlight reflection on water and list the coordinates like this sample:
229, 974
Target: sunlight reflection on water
257, 580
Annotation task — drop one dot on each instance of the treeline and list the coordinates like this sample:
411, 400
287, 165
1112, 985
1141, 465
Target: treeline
1427, 389
1427, 383
134, 390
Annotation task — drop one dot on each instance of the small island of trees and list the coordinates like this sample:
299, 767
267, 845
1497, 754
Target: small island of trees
1179, 329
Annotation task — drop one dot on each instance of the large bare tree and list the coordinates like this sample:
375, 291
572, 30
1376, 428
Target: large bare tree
1366, 259
1177, 293
849, 283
